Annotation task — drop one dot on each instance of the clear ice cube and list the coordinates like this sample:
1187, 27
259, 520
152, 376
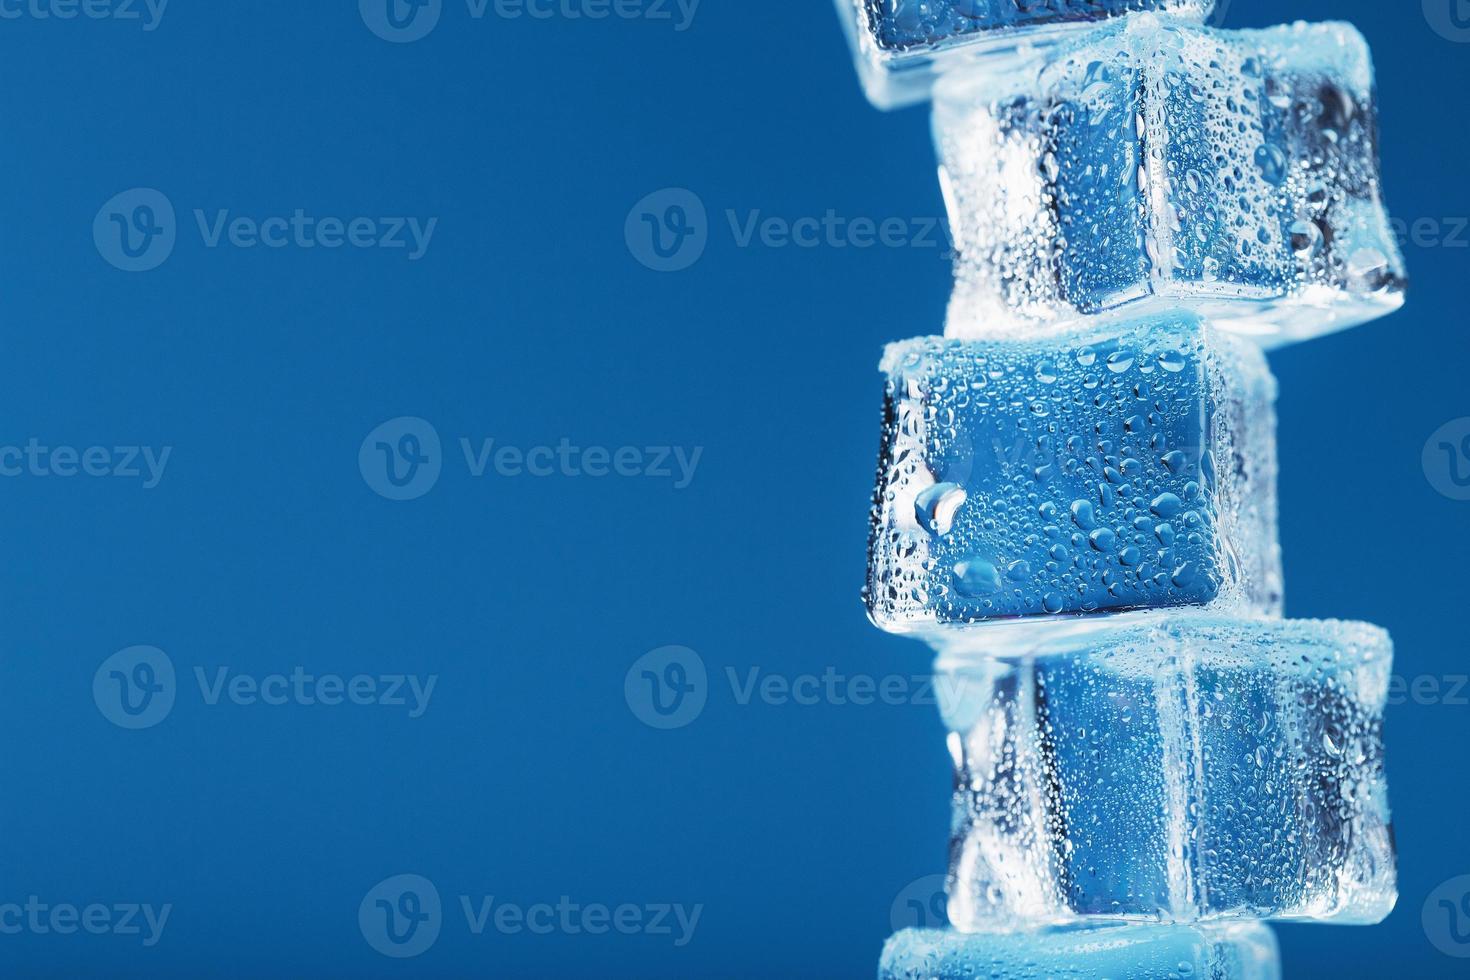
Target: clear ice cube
1187, 768
1128, 467
901, 46
1153, 163
1238, 951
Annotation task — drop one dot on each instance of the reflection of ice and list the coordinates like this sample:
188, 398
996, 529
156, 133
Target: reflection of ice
1242, 951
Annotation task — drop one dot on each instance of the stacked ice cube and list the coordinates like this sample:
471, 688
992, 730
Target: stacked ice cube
1076, 502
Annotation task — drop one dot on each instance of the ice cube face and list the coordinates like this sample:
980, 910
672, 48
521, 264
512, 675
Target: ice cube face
1122, 469
1240, 951
1154, 163
1191, 768
902, 46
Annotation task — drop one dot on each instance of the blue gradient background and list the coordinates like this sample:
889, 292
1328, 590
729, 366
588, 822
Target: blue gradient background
529, 321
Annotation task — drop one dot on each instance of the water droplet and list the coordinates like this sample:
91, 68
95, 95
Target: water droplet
1306, 238
1171, 361
1166, 505
1277, 93
936, 507
1338, 109
1050, 169
1271, 162
1082, 515
1053, 602
977, 576
1367, 270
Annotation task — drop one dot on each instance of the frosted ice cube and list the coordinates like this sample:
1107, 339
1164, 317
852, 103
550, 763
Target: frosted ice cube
1161, 164
1127, 467
901, 46
1185, 769
1239, 951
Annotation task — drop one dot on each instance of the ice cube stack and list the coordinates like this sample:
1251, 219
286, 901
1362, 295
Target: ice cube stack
1076, 501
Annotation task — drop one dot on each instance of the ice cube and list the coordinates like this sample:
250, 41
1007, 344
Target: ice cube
1238, 951
1188, 768
1127, 467
901, 46
1153, 163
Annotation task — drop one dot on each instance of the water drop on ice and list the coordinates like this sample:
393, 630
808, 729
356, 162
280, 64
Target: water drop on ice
936, 507
977, 576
